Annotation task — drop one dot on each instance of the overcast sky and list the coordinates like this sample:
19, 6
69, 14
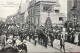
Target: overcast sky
10, 7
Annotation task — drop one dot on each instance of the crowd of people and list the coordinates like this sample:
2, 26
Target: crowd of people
73, 36
16, 41
13, 44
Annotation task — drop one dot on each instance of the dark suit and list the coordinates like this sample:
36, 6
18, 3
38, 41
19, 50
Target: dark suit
79, 39
62, 44
23, 47
51, 38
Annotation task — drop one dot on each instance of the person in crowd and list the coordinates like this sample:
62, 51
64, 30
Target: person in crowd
20, 34
23, 37
54, 31
39, 36
35, 37
10, 40
18, 41
42, 37
59, 33
51, 35
66, 34
72, 36
30, 36
69, 33
45, 39
22, 47
62, 43
14, 40
76, 40
4, 39
27, 35
79, 39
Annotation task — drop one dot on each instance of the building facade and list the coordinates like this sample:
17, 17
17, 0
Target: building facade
19, 18
74, 13
37, 12
70, 4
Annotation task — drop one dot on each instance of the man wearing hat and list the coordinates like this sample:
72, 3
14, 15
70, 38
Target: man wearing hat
62, 43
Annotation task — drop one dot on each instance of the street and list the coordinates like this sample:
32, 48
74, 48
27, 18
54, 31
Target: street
39, 48
40, 26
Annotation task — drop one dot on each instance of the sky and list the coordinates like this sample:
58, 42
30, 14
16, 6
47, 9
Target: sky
10, 7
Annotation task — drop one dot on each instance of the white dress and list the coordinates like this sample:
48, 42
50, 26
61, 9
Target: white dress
76, 38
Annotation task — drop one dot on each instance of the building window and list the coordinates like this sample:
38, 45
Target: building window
60, 18
75, 16
57, 11
44, 9
47, 8
29, 12
33, 11
38, 20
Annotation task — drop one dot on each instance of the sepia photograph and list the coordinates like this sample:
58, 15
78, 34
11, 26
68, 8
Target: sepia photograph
39, 26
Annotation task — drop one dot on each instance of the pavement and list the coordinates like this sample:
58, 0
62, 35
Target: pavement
39, 48
56, 47
68, 46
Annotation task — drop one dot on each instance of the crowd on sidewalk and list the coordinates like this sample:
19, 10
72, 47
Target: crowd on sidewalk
44, 36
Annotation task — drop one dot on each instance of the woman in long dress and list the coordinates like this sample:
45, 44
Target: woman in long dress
76, 40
